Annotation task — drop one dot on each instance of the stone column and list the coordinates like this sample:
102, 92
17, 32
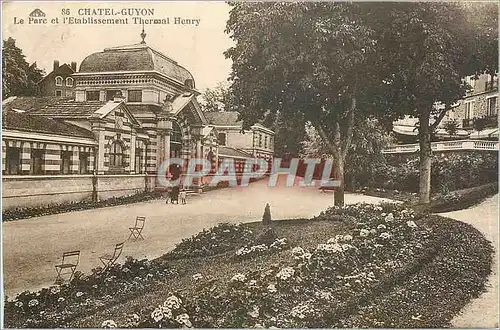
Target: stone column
133, 146
100, 151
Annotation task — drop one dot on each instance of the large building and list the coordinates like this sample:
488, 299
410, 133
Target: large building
476, 115
133, 109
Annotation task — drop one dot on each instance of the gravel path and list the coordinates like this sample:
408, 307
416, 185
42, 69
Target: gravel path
32, 247
483, 311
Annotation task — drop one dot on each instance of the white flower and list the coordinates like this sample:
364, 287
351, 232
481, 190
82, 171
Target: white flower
157, 315
167, 312
385, 235
54, 290
197, 277
285, 273
19, 304
238, 278
347, 238
32, 303
411, 224
172, 302
61, 299
109, 324
381, 227
298, 251
389, 217
252, 283
271, 288
254, 312
364, 233
79, 294
183, 319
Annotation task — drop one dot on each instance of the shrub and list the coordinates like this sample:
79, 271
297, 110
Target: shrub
452, 172
58, 305
219, 239
28, 212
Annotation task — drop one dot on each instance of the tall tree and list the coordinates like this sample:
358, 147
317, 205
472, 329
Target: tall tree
19, 78
430, 48
313, 59
216, 99
364, 155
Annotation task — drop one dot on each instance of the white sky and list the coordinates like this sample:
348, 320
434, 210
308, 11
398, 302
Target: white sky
199, 49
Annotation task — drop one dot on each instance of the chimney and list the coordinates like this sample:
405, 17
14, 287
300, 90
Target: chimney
56, 65
73, 66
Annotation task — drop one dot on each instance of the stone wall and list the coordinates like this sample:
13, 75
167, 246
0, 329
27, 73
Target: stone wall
29, 191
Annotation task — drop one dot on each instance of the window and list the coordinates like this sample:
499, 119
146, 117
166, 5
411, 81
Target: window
58, 93
469, 110
265, 142
135, 95
222, 139
84, 163
69, 82
111, 93
59, 81
36, 161
471, 82
116, 155
92, 95
65, 162
260, 140
492, 106
13, 160
138, 160
69, 93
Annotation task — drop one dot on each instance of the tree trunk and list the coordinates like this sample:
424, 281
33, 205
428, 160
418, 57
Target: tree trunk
338, 195
425, 157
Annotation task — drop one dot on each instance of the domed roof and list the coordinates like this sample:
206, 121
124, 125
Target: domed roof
137, 57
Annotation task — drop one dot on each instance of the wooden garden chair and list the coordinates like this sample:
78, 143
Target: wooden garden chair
109, 260
136, 231
68, 265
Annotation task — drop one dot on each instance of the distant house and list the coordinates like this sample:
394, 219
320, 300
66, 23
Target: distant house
258, 141
480, 103
59, 82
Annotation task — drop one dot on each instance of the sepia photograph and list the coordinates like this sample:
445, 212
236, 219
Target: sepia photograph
211, 164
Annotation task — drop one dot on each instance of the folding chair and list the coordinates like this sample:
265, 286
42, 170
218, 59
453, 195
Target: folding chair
137, 229
74, 259
108, 260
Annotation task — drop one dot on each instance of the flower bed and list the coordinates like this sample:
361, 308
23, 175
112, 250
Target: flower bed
57, 306
219, 239
28, 212
361, 273
462, 199
252, 251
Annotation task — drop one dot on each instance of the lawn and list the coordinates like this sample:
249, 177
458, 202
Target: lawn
359, 266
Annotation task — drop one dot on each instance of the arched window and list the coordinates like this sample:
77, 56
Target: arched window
116, 154
59, 81
69, 82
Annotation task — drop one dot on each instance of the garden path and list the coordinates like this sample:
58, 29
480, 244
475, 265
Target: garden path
32, 247
483, 311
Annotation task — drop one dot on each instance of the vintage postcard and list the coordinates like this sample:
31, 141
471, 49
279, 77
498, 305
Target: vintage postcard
249, 165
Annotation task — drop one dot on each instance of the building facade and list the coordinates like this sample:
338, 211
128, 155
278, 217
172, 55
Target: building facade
133, 109
59, 82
